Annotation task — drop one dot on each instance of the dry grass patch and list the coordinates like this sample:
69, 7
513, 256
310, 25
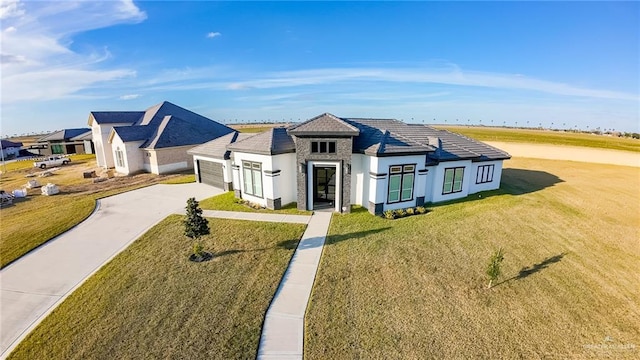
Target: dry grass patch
151, 302
535, 136
34, 220
414, 288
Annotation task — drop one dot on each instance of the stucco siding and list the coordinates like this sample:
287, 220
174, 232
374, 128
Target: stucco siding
495, 168
438, 180
132, 156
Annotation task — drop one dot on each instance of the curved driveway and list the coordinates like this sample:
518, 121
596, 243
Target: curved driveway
35, 284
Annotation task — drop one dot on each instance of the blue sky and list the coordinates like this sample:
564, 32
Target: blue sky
515, 63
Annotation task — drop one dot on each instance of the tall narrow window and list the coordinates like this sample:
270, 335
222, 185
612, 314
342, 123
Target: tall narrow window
453, 180
119, 158
485, 174
401, 179
252, 173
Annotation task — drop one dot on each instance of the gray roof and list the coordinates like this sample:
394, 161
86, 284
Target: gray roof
217, 148
324, 125
63, 135
386, 137
117, 117
271, 142
168, 125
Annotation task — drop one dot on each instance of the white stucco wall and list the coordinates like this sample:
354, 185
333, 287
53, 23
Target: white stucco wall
285, 182
493, 185
379, 186
267, 181
104, 150
438, 180
133, 156
360, 179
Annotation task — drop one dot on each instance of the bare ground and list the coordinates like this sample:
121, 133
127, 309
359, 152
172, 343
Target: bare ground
572, 153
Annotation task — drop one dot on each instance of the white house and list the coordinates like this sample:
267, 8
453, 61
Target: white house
331, 162
155, 140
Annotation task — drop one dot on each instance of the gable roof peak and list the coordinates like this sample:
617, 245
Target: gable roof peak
324, 125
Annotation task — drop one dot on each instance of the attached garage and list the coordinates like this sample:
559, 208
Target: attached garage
211, 173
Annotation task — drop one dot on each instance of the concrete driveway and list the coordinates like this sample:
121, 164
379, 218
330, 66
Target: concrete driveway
35, 284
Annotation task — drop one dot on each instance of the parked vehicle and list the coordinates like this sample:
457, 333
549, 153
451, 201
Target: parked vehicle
52, 161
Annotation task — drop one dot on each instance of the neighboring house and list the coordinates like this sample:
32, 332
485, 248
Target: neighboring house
9, 149
155, 140
331, 162
87, 143
61, 142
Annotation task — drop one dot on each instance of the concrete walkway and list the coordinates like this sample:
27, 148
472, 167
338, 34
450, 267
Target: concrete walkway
37, 283
283, 330
285, 218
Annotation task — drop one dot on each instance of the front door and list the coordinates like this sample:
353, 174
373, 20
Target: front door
324, 187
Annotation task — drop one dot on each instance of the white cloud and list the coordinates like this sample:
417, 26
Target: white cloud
449, 76
10, 8
37, 62
129, 97
212, 35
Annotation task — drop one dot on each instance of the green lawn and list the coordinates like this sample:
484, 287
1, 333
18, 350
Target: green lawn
227, 202
414, 288
151, 302
34, 220
545, 137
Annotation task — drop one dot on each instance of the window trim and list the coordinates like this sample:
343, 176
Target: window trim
253, 167
120, 158
480, 175
325, 145
453, 180
395, 170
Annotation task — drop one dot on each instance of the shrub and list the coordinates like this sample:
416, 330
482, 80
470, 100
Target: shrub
401, 213
421, 210
410, 211
389, 214
493, 267
197, 249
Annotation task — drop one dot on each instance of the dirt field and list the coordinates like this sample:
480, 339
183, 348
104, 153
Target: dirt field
572, 153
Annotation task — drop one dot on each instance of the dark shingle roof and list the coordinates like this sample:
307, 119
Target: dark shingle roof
8, 144
324, 125
380, 137
271, 142
133, 133
217, 148
117, 117
168, 125
62, 135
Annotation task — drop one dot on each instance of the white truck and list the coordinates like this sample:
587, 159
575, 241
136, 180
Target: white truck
52, 161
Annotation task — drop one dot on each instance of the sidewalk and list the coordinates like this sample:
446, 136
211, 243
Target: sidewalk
38, 282
283, 330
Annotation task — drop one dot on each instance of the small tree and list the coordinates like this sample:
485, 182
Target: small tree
493, 267
195, 226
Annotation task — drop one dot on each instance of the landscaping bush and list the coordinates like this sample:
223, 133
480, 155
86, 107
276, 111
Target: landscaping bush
389, 214
401, 213
421, 210
410, 211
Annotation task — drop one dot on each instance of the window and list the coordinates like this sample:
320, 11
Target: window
119, 158
323, 147
401, 179
452, 180
252, 178
485, 174
57, 149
